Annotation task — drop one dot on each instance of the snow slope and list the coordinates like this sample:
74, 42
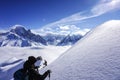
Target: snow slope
12, 58
95, 57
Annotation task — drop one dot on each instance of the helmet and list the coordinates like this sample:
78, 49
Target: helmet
32, 59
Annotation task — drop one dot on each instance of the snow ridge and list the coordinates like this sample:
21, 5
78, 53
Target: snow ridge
94, 57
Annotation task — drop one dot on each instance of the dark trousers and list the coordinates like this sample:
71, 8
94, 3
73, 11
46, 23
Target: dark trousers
34, 75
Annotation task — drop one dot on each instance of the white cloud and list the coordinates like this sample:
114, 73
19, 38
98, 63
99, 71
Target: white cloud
101, 8
64, 27
82, 32
62, 30
68, 27
105, 6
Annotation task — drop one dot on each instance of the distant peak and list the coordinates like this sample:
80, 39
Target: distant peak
18, 27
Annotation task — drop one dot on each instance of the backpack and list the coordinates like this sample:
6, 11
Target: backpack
20, 75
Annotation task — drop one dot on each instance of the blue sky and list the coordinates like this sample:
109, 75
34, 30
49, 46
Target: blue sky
34, 14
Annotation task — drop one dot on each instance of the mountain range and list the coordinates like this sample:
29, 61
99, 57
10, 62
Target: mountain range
19, 36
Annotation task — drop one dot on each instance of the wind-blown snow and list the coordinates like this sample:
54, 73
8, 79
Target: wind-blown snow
95, 57
12, 58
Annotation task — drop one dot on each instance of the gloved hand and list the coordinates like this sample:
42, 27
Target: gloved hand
36, 67
45, 63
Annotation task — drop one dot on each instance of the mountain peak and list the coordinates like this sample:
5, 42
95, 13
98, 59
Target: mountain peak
19, 29
17, 26
19, 36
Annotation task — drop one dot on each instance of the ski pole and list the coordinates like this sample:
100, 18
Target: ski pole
49, 76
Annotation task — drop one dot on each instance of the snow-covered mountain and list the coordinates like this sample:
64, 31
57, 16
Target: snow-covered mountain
19, 36
60, 36
57, 35
61, 40
94, 57
69, 40
53, 39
